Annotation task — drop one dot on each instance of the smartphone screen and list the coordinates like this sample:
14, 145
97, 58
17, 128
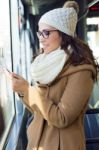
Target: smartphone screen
7, 72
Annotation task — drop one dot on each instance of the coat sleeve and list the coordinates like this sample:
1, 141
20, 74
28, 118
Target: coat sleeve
72, 103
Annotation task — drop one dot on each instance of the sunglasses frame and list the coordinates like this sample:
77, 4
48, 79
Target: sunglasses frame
45, 33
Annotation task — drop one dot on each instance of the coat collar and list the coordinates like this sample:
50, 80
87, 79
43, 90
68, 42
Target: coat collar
70, 69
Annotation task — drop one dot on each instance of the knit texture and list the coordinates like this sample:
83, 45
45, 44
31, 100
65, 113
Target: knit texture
46, 67
63, 19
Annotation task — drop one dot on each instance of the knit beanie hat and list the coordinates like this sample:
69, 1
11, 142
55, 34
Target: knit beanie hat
63, 19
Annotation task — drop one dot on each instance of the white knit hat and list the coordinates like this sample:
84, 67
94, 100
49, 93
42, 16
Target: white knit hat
63, 19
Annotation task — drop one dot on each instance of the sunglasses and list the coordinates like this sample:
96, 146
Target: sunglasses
45, 33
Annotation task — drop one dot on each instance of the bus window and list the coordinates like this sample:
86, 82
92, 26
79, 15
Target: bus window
93, 36
6, 94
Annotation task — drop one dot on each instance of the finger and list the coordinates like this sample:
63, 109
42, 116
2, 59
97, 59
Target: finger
7, 73
14, 75
1, 70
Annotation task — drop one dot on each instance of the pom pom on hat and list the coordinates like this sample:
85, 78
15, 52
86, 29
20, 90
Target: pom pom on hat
73, 4
63, 19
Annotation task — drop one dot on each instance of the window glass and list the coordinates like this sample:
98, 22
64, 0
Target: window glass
93, 36
6, 94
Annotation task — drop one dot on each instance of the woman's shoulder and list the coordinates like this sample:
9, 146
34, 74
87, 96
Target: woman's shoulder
71, 69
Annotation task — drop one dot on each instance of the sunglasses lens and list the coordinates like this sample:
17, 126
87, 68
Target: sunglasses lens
38, 34
45, 33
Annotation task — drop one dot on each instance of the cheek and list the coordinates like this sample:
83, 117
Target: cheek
55, 41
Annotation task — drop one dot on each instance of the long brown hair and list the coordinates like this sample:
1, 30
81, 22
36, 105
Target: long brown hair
82, 54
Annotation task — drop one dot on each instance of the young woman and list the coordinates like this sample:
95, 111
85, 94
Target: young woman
63, 76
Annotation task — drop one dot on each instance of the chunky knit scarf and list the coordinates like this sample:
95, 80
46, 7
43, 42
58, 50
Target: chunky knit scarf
46, 67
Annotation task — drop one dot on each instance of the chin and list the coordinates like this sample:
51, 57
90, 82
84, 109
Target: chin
46, 51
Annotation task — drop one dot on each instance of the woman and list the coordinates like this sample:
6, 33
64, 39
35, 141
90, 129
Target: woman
63, 76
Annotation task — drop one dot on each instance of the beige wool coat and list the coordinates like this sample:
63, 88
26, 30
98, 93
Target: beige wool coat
59, 110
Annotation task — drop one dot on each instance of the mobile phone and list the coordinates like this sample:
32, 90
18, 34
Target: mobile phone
7, 72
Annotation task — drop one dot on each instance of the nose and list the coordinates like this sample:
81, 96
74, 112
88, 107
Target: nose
41, 39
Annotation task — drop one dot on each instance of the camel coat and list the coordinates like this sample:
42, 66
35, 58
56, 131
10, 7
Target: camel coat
59, 110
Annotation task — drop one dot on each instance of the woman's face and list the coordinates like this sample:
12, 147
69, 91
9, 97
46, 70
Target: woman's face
49, 38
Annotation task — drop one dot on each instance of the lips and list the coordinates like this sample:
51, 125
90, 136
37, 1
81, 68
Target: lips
44, 46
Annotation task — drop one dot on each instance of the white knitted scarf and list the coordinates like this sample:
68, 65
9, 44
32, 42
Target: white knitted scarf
47, 66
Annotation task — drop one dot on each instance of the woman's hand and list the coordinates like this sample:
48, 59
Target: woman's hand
19, 84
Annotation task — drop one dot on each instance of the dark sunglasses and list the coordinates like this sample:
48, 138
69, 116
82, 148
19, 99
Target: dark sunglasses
45, 33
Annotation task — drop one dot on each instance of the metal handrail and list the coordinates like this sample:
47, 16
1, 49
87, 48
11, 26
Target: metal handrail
92, 140
87, 9
93, 111
92, 3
